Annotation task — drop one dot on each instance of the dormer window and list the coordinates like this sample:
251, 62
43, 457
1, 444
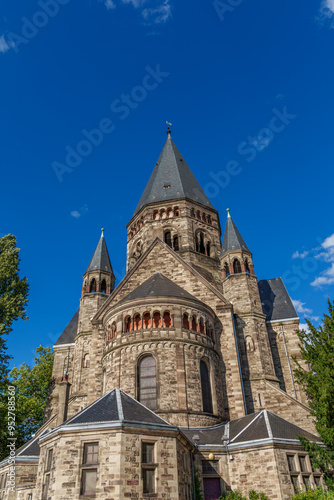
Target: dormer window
166, 186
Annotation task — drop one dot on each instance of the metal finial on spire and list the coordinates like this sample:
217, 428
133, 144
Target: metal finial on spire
168, 129
102, 235
228, 213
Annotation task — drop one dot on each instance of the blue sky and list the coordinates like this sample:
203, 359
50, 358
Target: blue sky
86, 89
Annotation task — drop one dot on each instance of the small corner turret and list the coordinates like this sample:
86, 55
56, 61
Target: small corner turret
235, 256
99, 276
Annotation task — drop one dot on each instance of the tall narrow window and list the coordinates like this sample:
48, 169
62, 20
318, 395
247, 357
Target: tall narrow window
185, 321
206, 387
247, 266
92, 287
167, 320
236, 266
194, 324
208, 249
147, 320
147, 382
88, 482
148, 468
168, 239
128, 324
45, 488
201, 243
176, 243
156, 319
226, 269
103, 286
137, 322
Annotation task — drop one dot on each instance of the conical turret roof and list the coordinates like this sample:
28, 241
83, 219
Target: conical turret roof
232, 238
100, 260
172, 179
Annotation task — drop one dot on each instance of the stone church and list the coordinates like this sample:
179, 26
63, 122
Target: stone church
182, 372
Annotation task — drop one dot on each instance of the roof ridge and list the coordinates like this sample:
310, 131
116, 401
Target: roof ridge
269, 429
119, 404
81, 412
250, 423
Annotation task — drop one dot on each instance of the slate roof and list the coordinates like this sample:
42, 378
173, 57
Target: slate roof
275, 300
67, 337
100, 259
254, 427
116, 406
31, 447
172, 179
158, 286
232, 238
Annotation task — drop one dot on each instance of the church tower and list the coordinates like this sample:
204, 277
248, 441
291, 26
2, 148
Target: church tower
240, 287
175, 208
98, 284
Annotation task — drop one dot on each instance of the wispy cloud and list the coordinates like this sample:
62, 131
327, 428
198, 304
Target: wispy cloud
4, 47
326, 254
326, 11
305, 311
79, 213
159, 14
152, 11
110, 4
304, 326
297, 255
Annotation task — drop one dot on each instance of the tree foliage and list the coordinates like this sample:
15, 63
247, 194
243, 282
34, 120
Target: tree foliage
317, 379
317, 494
31, 391
13, 297
236, 495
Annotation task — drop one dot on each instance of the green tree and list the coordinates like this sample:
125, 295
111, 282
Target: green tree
317, 494
31, 392
316, 376
13, 297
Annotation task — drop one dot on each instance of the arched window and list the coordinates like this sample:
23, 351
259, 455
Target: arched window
170, 213
209, 219
226, 269
147, 320
201, 325
185, 321
236, 266
208, 248
168, 239
247, 266
92, 287
85, 361
198, 215
177, 211
113, 330
176, 243
137, 322
206, 387
128, 324
156, 319
147, 382
103, 286
192, 213
201, 243
163, 214
194, 324
156, 215
167, 322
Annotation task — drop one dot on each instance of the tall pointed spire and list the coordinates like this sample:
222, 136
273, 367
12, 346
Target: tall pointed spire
172, 179
100, 260
232, 238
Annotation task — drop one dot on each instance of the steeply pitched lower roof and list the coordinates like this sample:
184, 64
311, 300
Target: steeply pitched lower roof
157, 286
275, 300
67, 337
115, 406
251, 428
100, 260
172, 179
232, 238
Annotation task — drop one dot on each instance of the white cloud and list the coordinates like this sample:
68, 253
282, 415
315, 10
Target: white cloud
75, 214
159, 14
299, 306
110, 4
297, 255
153, 11
78, 213
327, 8
3, 45
304, 326
327, 254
